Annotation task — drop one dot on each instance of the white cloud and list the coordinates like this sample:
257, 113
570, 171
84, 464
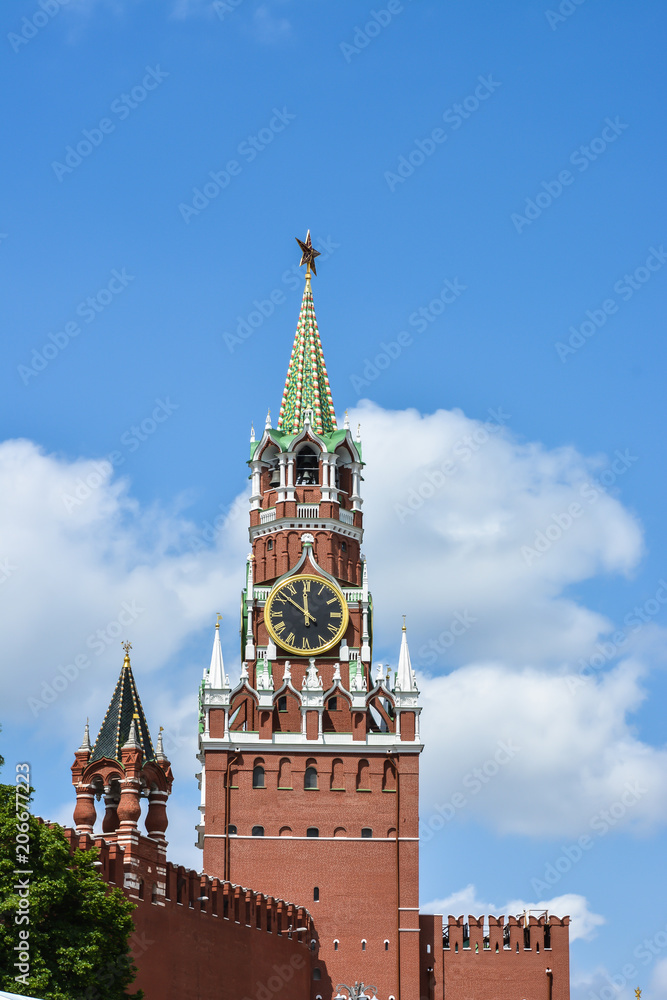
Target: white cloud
466, 902
479, 498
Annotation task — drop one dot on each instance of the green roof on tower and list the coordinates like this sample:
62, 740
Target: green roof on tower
125, 707
307, 383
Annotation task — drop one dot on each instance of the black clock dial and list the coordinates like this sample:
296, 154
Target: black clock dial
306, 615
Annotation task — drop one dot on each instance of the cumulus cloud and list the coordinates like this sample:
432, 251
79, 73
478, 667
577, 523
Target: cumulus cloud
466, 902
465, 506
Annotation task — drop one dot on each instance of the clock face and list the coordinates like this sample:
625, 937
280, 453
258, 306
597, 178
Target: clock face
306, 615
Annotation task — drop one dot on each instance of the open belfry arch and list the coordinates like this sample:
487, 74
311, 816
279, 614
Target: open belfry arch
309, 770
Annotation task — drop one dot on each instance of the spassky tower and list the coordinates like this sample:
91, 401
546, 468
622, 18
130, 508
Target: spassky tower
310, 762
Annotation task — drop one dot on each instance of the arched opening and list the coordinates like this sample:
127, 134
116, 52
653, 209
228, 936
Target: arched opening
310, 778
258, 776
141, 888
312, 831
363, 776
307, 467
332, 704
386, 946
337, 775
363, 945
285, 772
316, 894
336, 943
282, 703
389, 777
317, 975
366, 832
258, 831
231, 830
285, 831
340, 831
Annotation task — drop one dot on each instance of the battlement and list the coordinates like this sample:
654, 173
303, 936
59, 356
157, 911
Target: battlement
503, 957
495, 933
176, 886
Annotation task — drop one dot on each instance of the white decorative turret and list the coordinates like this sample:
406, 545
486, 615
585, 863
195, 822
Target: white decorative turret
132, 742
85, 742
406, 679
217, 678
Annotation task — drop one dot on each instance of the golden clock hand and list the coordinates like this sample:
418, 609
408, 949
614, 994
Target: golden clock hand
303, 611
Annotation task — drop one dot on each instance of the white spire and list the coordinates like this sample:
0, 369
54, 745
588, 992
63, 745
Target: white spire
405, 676
216, 672
252, 433
267, 422
85, 743
159, 753
346, 423
132, 742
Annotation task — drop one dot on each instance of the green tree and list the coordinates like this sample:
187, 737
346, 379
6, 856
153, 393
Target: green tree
78, 928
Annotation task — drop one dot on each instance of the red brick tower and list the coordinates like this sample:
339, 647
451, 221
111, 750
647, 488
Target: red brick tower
310, 764
123, 768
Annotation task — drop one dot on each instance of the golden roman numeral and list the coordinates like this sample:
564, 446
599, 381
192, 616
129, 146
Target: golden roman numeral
306, 644
334, 600
291, 588
306, 586
320, 590
279, 628
336, 614
290, 638
332, 628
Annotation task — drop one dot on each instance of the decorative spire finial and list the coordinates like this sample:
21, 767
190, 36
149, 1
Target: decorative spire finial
219, 617
308, 255
267, 422
85, 743
346, 423
252, 431
404, 623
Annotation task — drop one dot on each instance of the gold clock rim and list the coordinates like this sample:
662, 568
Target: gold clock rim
320, 649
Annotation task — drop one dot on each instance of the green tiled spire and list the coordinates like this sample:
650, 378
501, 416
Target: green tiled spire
115, 730
307, 383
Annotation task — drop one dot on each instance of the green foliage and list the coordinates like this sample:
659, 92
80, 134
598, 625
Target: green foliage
78, 927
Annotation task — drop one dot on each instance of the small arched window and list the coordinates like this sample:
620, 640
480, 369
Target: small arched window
312, 831
258, 776
310, 778
332, 704
337, 775
269, 545
317, 975
285, 773
366, 832
363, 945
363, 776
282, 703
343, 546
336, 944
316, 894
386, 946
258, 831
231, 830
141, 888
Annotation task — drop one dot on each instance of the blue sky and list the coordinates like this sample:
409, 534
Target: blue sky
485, 182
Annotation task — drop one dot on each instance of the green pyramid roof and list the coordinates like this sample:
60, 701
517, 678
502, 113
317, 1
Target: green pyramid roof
307, 383
125, 706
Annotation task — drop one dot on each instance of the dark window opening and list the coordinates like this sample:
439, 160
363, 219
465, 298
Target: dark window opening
269, 544
386, 946
332, 704
547, 936
258, 831
366, 831
258, 776
310, 778
317, 974
282, 703
335, 945
307, 468
363, 946
343, 546
231, 830
312, 831
316, 894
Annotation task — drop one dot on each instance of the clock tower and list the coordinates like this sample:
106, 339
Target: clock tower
310, 762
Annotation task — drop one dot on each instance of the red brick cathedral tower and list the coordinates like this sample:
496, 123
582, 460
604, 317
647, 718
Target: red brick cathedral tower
310, 764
